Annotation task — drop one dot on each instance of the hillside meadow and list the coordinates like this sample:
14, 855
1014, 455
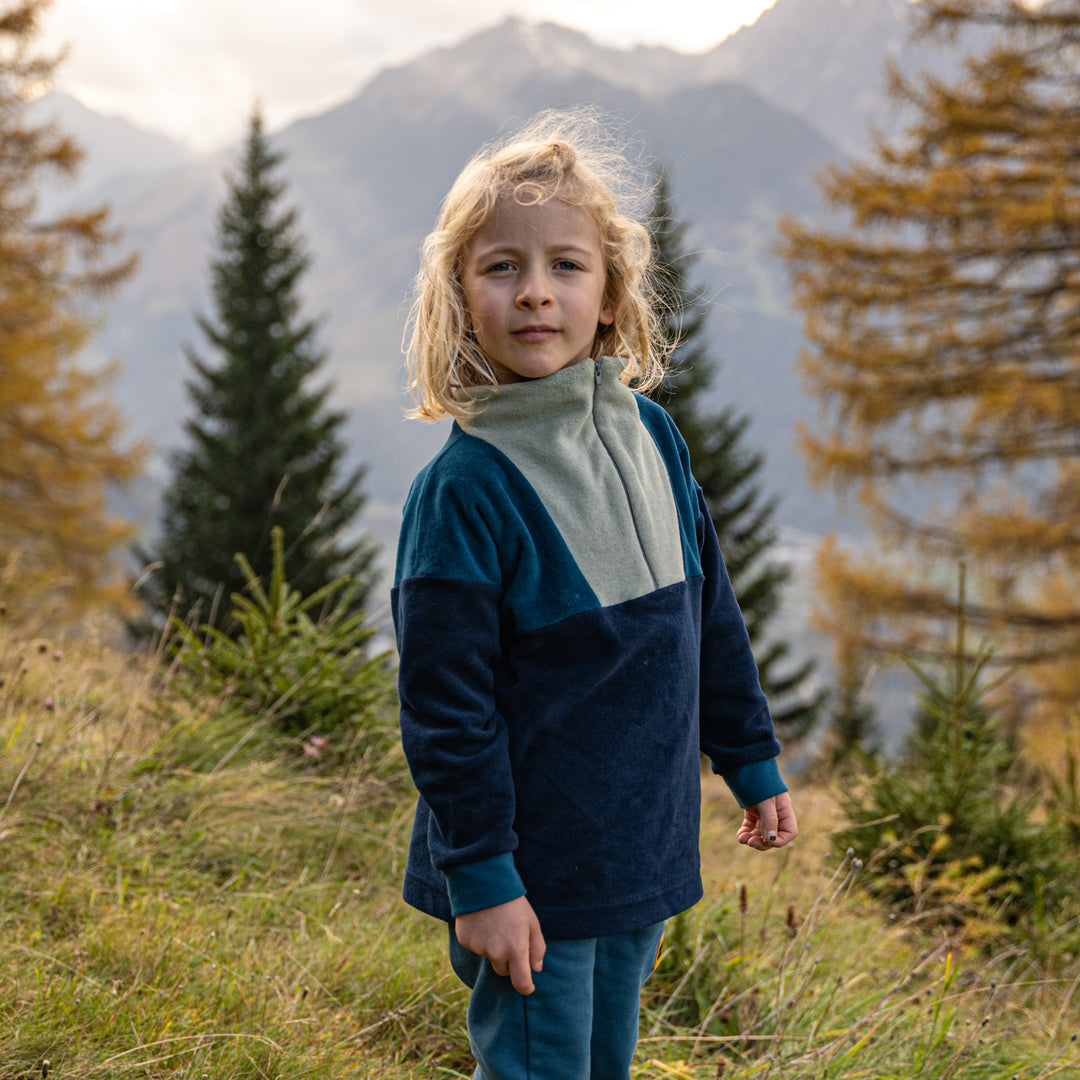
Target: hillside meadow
181, 897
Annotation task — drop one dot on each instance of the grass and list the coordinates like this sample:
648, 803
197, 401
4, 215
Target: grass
175, 905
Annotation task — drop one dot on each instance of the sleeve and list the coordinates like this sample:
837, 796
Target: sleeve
736, 726
446, 611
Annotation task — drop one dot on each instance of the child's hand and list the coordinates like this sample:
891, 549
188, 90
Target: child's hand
770, 824
509, 936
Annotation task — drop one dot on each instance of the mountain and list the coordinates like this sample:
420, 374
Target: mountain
483, 64
115, 149
369, 174
824, 60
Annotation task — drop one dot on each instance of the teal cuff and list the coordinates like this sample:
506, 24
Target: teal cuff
754, 783
485, 884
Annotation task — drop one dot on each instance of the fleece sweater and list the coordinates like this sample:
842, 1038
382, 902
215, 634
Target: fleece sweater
569, 641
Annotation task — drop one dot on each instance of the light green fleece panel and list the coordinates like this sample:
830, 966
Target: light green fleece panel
582, 446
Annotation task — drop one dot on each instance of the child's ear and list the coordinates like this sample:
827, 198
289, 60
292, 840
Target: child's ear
607, 316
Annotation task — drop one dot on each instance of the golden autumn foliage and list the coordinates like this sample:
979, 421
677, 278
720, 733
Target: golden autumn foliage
60, 434
942, 313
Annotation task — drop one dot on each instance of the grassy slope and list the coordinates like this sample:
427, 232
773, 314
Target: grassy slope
170, 908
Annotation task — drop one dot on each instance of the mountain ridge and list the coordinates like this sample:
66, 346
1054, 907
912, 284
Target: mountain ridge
369, 173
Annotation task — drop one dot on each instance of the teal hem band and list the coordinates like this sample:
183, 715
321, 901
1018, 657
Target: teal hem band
754, 783
485, 884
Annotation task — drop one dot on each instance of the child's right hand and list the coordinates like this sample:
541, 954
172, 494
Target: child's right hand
509, 936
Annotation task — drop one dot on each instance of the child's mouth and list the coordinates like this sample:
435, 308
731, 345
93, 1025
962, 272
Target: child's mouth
534, 333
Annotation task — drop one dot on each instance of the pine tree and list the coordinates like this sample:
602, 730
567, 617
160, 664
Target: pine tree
727, 472
264, 448
958, 830
944, 345
60, 434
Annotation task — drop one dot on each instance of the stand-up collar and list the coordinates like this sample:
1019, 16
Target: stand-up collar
578, 438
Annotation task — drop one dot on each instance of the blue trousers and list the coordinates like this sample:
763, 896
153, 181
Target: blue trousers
581, 1021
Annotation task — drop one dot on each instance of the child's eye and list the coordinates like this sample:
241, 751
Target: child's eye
500, 267
566, 264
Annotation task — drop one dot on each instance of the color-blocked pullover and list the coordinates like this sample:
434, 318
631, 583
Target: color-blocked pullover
568, 641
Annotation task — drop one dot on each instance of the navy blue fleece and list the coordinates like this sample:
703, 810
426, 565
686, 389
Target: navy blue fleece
554, 740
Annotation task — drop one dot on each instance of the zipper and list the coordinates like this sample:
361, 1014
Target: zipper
618, 472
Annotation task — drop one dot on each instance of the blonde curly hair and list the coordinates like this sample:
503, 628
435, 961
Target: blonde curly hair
581, 158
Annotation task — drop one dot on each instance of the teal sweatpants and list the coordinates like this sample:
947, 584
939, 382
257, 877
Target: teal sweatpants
580, 1023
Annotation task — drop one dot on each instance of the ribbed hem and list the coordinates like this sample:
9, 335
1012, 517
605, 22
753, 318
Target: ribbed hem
754, 783
485, 884
563, 924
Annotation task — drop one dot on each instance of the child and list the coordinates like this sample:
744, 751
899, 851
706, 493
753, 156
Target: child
568, 636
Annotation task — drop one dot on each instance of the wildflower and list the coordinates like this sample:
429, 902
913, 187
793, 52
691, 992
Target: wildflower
315, 746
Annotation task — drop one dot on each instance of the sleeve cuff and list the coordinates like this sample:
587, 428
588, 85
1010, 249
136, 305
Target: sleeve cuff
485, 884
753, 783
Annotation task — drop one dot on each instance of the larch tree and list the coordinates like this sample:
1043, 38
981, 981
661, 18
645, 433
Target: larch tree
264, 448
727, 470
61, 437
942, 313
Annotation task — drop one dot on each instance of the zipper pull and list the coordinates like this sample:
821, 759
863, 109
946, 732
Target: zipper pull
596, 374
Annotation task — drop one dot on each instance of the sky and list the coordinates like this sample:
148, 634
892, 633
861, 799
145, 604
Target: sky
192, 69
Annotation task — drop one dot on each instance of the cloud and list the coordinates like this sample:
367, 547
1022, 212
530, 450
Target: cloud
194, 68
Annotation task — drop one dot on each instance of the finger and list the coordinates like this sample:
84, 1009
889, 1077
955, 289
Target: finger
788, 826
520, 975
768, 818
746, 829
537, 947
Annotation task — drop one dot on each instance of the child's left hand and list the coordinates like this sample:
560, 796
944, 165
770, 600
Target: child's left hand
770, 824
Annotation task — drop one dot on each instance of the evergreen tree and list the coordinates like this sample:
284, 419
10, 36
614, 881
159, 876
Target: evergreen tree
264, 449
60, 434
944, 345
727, 472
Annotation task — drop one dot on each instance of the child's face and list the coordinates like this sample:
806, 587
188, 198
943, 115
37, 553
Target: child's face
534, 282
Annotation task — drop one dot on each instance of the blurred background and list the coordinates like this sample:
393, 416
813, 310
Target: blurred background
866, 220
745, 106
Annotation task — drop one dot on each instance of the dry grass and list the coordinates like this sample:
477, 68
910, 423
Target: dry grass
169, 908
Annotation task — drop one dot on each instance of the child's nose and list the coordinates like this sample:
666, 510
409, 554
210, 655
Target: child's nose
535, 290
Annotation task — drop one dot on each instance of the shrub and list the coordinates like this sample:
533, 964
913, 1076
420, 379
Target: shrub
950, 834
299, 667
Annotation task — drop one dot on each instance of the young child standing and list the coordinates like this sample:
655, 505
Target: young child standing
568, 636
